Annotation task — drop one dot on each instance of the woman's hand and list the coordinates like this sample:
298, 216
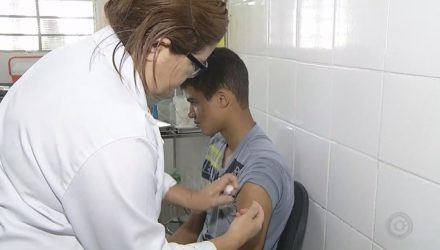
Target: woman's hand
246, 225
211, 196
214, 194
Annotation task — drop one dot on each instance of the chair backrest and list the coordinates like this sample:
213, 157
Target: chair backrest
293, 234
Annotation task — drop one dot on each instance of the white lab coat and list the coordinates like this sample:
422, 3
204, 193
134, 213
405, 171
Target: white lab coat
81, 159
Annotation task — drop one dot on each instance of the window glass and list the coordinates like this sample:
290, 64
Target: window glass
41, 25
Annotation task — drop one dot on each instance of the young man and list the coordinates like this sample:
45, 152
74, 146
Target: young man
220, 108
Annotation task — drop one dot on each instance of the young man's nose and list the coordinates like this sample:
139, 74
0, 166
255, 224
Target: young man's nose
191, 113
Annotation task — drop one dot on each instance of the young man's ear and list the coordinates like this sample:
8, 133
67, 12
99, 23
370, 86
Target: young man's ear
224, 98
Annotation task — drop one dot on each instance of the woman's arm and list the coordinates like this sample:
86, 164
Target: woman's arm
211, 196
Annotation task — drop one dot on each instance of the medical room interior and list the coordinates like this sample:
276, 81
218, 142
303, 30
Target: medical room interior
347, 90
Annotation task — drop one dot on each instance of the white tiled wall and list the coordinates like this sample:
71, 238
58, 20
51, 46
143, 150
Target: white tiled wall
360, 33
350, 89
352, 171
282, 76
341, 236
406, 211
312, 164
257, 68
356, 103
282, 134
314, 238
410, 137
413, 37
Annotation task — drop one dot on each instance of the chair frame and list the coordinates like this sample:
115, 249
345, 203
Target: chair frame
292, 236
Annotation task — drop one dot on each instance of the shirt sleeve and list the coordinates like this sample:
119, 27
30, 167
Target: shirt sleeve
268, 175
168, 182
112, 202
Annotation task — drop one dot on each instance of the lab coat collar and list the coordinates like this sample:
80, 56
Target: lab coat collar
106, 40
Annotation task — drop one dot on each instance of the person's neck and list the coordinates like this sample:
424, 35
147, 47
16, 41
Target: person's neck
238, 126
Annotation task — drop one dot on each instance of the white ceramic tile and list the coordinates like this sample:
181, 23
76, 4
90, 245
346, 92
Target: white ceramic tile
339, 236
315, 30
313, 98
260, 118
311, 165
376, 247
282, 28
254, 27
352, 188
410, 136
281, 85
360, 33
356, 109
407, 211
315, 231
283, 136
257, 68
413, 37
237, 26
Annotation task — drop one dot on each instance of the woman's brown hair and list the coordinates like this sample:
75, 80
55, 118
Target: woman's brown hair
190, 25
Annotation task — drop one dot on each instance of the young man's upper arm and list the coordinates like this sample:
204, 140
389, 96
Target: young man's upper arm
254, 192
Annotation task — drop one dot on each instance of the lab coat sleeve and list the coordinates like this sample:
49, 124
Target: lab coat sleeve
112, 202
168, 182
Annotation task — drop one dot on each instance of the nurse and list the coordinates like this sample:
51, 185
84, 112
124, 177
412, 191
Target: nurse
81, 158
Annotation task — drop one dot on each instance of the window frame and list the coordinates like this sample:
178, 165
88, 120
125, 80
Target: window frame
39, 35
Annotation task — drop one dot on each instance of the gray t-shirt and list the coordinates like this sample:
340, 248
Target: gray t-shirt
255, 161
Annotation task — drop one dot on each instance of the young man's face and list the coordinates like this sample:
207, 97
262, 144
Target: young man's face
206, 113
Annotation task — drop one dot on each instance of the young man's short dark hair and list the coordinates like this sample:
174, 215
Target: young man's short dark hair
225, 70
